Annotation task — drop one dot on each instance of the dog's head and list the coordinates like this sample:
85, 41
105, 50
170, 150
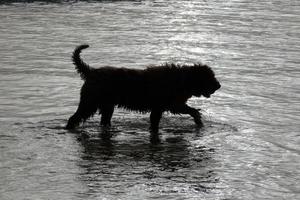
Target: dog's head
201, 80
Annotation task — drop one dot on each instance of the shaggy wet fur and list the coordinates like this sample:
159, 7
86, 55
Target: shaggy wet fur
155, 89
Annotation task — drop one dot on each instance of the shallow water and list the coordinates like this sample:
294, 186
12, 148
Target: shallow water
248, 149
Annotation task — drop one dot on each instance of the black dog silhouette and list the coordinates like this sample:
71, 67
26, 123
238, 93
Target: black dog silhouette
155, 89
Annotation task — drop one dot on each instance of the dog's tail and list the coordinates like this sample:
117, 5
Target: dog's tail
82, 68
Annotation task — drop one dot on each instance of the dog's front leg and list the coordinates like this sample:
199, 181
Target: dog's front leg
154, 120
106, 115
196, 115
185, 109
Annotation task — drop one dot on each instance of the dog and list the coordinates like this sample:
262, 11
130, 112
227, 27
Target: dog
155, 89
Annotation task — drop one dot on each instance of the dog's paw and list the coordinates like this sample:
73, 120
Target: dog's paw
198, 122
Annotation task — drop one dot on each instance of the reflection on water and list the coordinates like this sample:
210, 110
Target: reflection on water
248, 148
170, 167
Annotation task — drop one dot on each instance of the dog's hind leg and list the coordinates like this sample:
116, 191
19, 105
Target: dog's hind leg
106, 114
83, 112
74, 121
185, 109
154, 120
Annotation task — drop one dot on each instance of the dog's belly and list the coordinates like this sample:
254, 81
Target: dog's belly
135, 102
148, 102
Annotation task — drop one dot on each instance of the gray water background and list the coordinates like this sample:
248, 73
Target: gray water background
248, 149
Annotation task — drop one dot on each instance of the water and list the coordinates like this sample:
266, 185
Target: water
248, 149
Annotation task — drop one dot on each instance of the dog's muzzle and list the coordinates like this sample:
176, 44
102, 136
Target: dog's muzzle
218, 86
208, 94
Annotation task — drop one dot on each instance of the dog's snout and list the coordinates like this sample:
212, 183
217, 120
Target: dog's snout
217, 85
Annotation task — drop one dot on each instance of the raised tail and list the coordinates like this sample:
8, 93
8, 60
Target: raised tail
82, 68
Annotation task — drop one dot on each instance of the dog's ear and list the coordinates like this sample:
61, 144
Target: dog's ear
189, 80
